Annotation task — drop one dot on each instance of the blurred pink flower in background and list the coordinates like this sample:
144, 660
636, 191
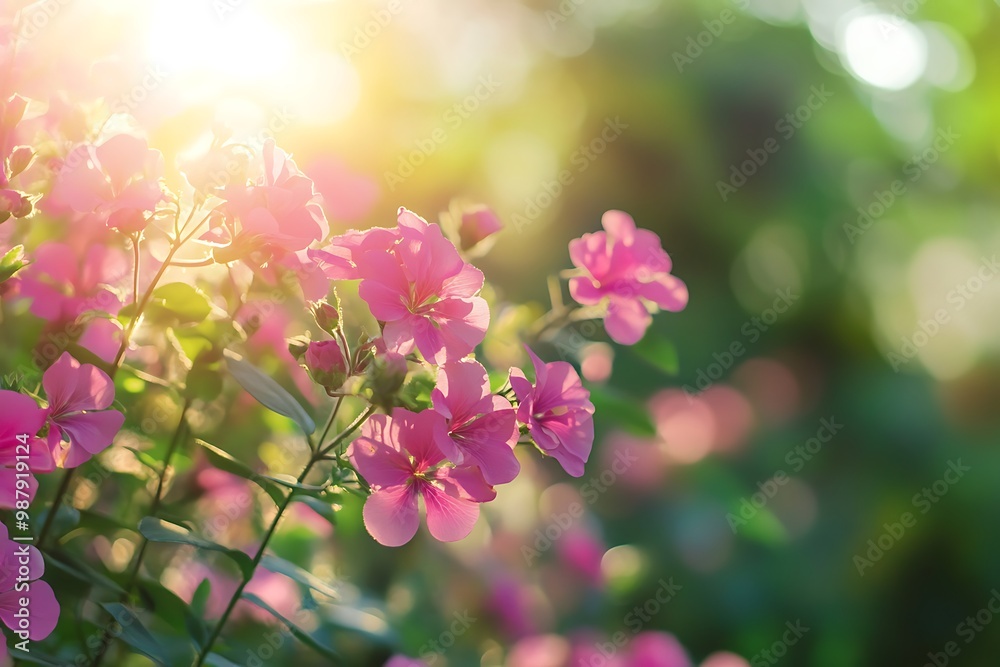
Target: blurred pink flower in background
477, 224
404, 661
63, 283
656, 649
80, 424
347, 196
627, 268
118, 180
539, 651
557, 411
723, 659
279, 214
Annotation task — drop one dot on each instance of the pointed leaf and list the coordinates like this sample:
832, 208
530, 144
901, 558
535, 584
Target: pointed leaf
293, 571
134, 633
298, 632
223, 461
157, 530
269, 393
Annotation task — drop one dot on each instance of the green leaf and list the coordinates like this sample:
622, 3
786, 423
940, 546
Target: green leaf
34, 658
293, 571
157, 530
200, 598
166, 605
83, 572
223, 461
134, 633
621, 409
269, 393
216, 660
658, 352
184, 302
12, 262
320, 506
298, 632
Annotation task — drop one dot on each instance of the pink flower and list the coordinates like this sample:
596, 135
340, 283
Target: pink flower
400, 459
20, 421
64, 283
278, 215
15, 589
11, 111
657, 649
629, 270
425, 293
557, 411
404, 661
118, 180
482, 429
79, 395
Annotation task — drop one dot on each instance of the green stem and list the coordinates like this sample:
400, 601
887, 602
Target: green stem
56, 504
206, 649
316, 458
154, 507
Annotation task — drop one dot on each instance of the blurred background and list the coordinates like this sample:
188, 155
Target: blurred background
812, 443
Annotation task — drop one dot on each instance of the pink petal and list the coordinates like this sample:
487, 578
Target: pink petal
70, 386
585, 292
619, 225
461, 386
627, 320
667, 292
122, 157
91, 431
391, 515
384, 287
377, 454
8, 490
42, 608
448, 518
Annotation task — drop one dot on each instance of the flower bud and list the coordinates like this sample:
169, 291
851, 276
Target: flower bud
326, 363
20, 159
327, 316
476, 225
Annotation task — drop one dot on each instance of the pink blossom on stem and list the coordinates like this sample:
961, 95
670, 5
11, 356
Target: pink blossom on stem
425, 293
482, 429
400, 459
627, 269
118, 180
80, 424
557, 411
